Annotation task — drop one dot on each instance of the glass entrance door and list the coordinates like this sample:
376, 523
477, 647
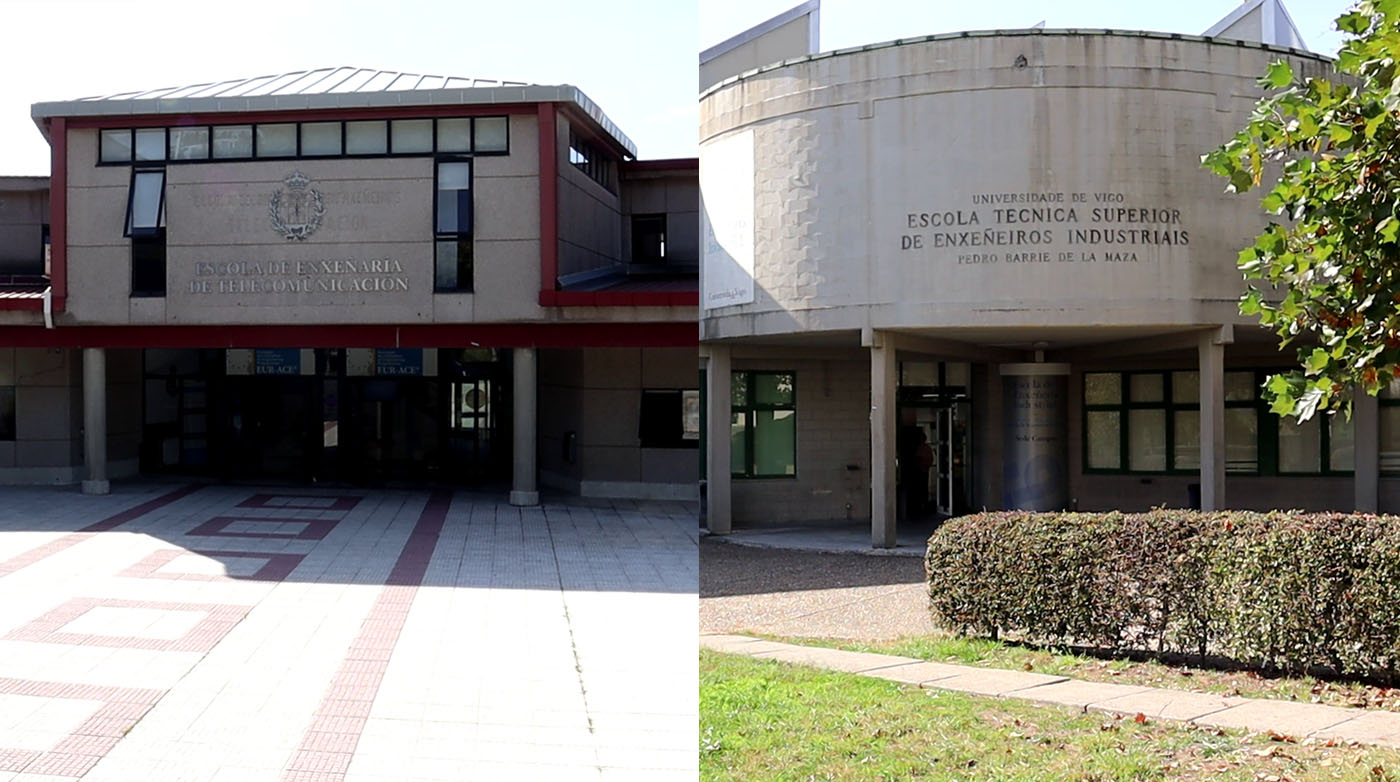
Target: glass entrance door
935, 450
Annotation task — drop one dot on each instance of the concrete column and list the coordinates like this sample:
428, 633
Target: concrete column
718, 484
1366, 426
95, 420
523, 490
884, 380
1211, 352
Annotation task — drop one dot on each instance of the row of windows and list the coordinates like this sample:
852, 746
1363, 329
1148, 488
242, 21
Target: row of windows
590, 160
283, 140
452, 227
1150, 422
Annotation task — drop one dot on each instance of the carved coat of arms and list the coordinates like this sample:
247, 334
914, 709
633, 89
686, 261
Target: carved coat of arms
297, 208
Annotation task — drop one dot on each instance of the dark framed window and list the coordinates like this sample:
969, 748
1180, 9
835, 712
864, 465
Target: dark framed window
649, 238
666, 421
1149, 422
452, 233
1390, 428
763, 424
7, 413
589, 159
145, 225
476, 136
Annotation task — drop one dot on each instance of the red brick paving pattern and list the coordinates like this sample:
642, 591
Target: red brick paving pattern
48, 628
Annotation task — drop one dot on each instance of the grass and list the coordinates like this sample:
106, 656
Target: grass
950, 648
767, 720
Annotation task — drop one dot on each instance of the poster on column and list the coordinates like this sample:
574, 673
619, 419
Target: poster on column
726, 221
1035, 472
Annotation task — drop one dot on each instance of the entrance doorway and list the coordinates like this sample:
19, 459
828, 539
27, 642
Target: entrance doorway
934, 443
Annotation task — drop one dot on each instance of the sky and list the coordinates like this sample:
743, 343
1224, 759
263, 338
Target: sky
635, 58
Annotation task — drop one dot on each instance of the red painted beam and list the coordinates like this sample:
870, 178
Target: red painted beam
677, 334
58, 212
549, 201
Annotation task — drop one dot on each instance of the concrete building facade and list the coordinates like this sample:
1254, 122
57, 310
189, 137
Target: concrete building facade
986, 270
351, 275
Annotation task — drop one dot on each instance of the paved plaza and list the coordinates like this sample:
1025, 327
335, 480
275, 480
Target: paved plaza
192, 632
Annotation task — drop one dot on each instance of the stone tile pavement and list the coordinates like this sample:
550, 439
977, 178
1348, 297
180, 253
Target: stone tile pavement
189, 632
1299, 720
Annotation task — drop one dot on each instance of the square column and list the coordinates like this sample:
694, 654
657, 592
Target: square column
95, 421
718, 415
1211, 352
884, 380
1366, 424
523, 490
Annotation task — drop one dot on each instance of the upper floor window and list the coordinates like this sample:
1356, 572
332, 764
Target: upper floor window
649, 238
452, 235
145, 225
356, 138
587, 158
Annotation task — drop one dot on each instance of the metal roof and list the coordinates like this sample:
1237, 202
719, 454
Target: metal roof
327, 88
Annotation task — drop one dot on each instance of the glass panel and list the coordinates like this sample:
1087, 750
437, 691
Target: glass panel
773, 388
738, 462
454, 198
412, 135
7, 412
233, 141
1391, 390
1147, 440
1340, 443
738, 389
1145, 388
189, 143
1299, 445
774, 442
1186, 443
320, 138
1105, 443
491, 134
277, 140
1390, 439
366, 138
146, 187
445, 276
116, 146
1241, 440
1103, 388
920, 373
1239, 386
454, 135
150, 144
1186, 387
957, 374
454, 176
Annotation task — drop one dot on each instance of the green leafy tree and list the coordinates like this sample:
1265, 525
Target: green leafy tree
1332, 251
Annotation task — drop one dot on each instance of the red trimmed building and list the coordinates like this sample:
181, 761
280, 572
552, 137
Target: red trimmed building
350, 275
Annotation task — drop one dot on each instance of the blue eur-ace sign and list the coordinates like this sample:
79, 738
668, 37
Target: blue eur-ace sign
398, 362
277, 361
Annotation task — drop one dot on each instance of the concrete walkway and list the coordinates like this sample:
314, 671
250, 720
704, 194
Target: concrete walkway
1297, 720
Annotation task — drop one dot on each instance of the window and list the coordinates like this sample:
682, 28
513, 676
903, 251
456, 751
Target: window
666, 422
1390, 428
453, 226
1149, 422
763, 425
7, 413
145, 225
200, 143
649, 238
590, 160
320, 139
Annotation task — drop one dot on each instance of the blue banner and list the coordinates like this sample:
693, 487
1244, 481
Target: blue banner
277, 361
398, 362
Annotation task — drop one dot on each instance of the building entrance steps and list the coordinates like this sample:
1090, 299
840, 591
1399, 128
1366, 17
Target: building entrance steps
1257, 715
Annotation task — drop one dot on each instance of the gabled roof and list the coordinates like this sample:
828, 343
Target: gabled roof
1260, 21
327, 88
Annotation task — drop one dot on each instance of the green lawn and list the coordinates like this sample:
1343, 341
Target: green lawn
766, 720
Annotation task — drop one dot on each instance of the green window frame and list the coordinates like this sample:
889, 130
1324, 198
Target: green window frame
1179, 401
763, 424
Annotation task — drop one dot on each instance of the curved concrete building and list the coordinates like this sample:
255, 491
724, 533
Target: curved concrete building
987, 270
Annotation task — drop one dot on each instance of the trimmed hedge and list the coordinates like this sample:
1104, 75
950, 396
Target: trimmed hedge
1275, 590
